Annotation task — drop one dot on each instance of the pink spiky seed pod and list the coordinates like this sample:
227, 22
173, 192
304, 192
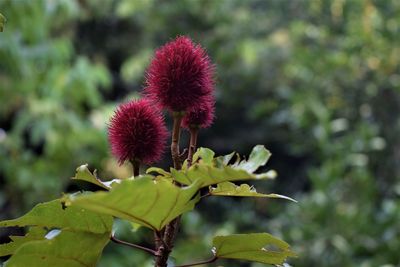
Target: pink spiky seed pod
137, 132
201, 116
179, 74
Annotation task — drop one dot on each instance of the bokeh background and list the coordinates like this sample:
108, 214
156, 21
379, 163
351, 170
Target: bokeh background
317, 82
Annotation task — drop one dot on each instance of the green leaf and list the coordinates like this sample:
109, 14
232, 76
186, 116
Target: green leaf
77, 230
148, 202
258, 157
206, 154
157, 170
209, 171
35, 233
261, 247
53, 215
84, 174
215, 172
227, 158
69, 248
3, 21
244, 190
221, 161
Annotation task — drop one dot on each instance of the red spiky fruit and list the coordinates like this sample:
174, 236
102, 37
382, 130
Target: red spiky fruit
137, 131
179, 74
201, 116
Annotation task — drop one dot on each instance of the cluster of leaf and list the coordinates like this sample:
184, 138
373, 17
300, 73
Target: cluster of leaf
61, 229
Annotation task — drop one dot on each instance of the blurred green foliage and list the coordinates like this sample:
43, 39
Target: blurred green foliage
317, 81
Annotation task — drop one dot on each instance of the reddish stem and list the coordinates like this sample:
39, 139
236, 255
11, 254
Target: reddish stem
135, 167
193, 144
166, 242
121, 242
213, 259
176, 133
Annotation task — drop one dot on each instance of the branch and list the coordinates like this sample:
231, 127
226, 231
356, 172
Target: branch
159, 239
213, 259
170, 232
135, 167
205, 195
183, 154
172, 228
176, 133
192, 145
165, 244
121, 242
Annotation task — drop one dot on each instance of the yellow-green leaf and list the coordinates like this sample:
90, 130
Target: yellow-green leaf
74, 231
53, 215
143, 200
206, 155
258, 157
209, 175
244, 190
260, 247
208, 170
227, 158
35, 233
84, 174
69, 248
159, 171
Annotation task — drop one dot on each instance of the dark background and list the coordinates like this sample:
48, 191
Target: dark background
315, 81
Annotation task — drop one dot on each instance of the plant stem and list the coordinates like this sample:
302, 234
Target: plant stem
121, 242
213, 259
205, 195
176, 133
158, 238
165, 244
170, 233
135, 167
193, 144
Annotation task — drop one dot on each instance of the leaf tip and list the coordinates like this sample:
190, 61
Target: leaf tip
272, 174
82, 168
